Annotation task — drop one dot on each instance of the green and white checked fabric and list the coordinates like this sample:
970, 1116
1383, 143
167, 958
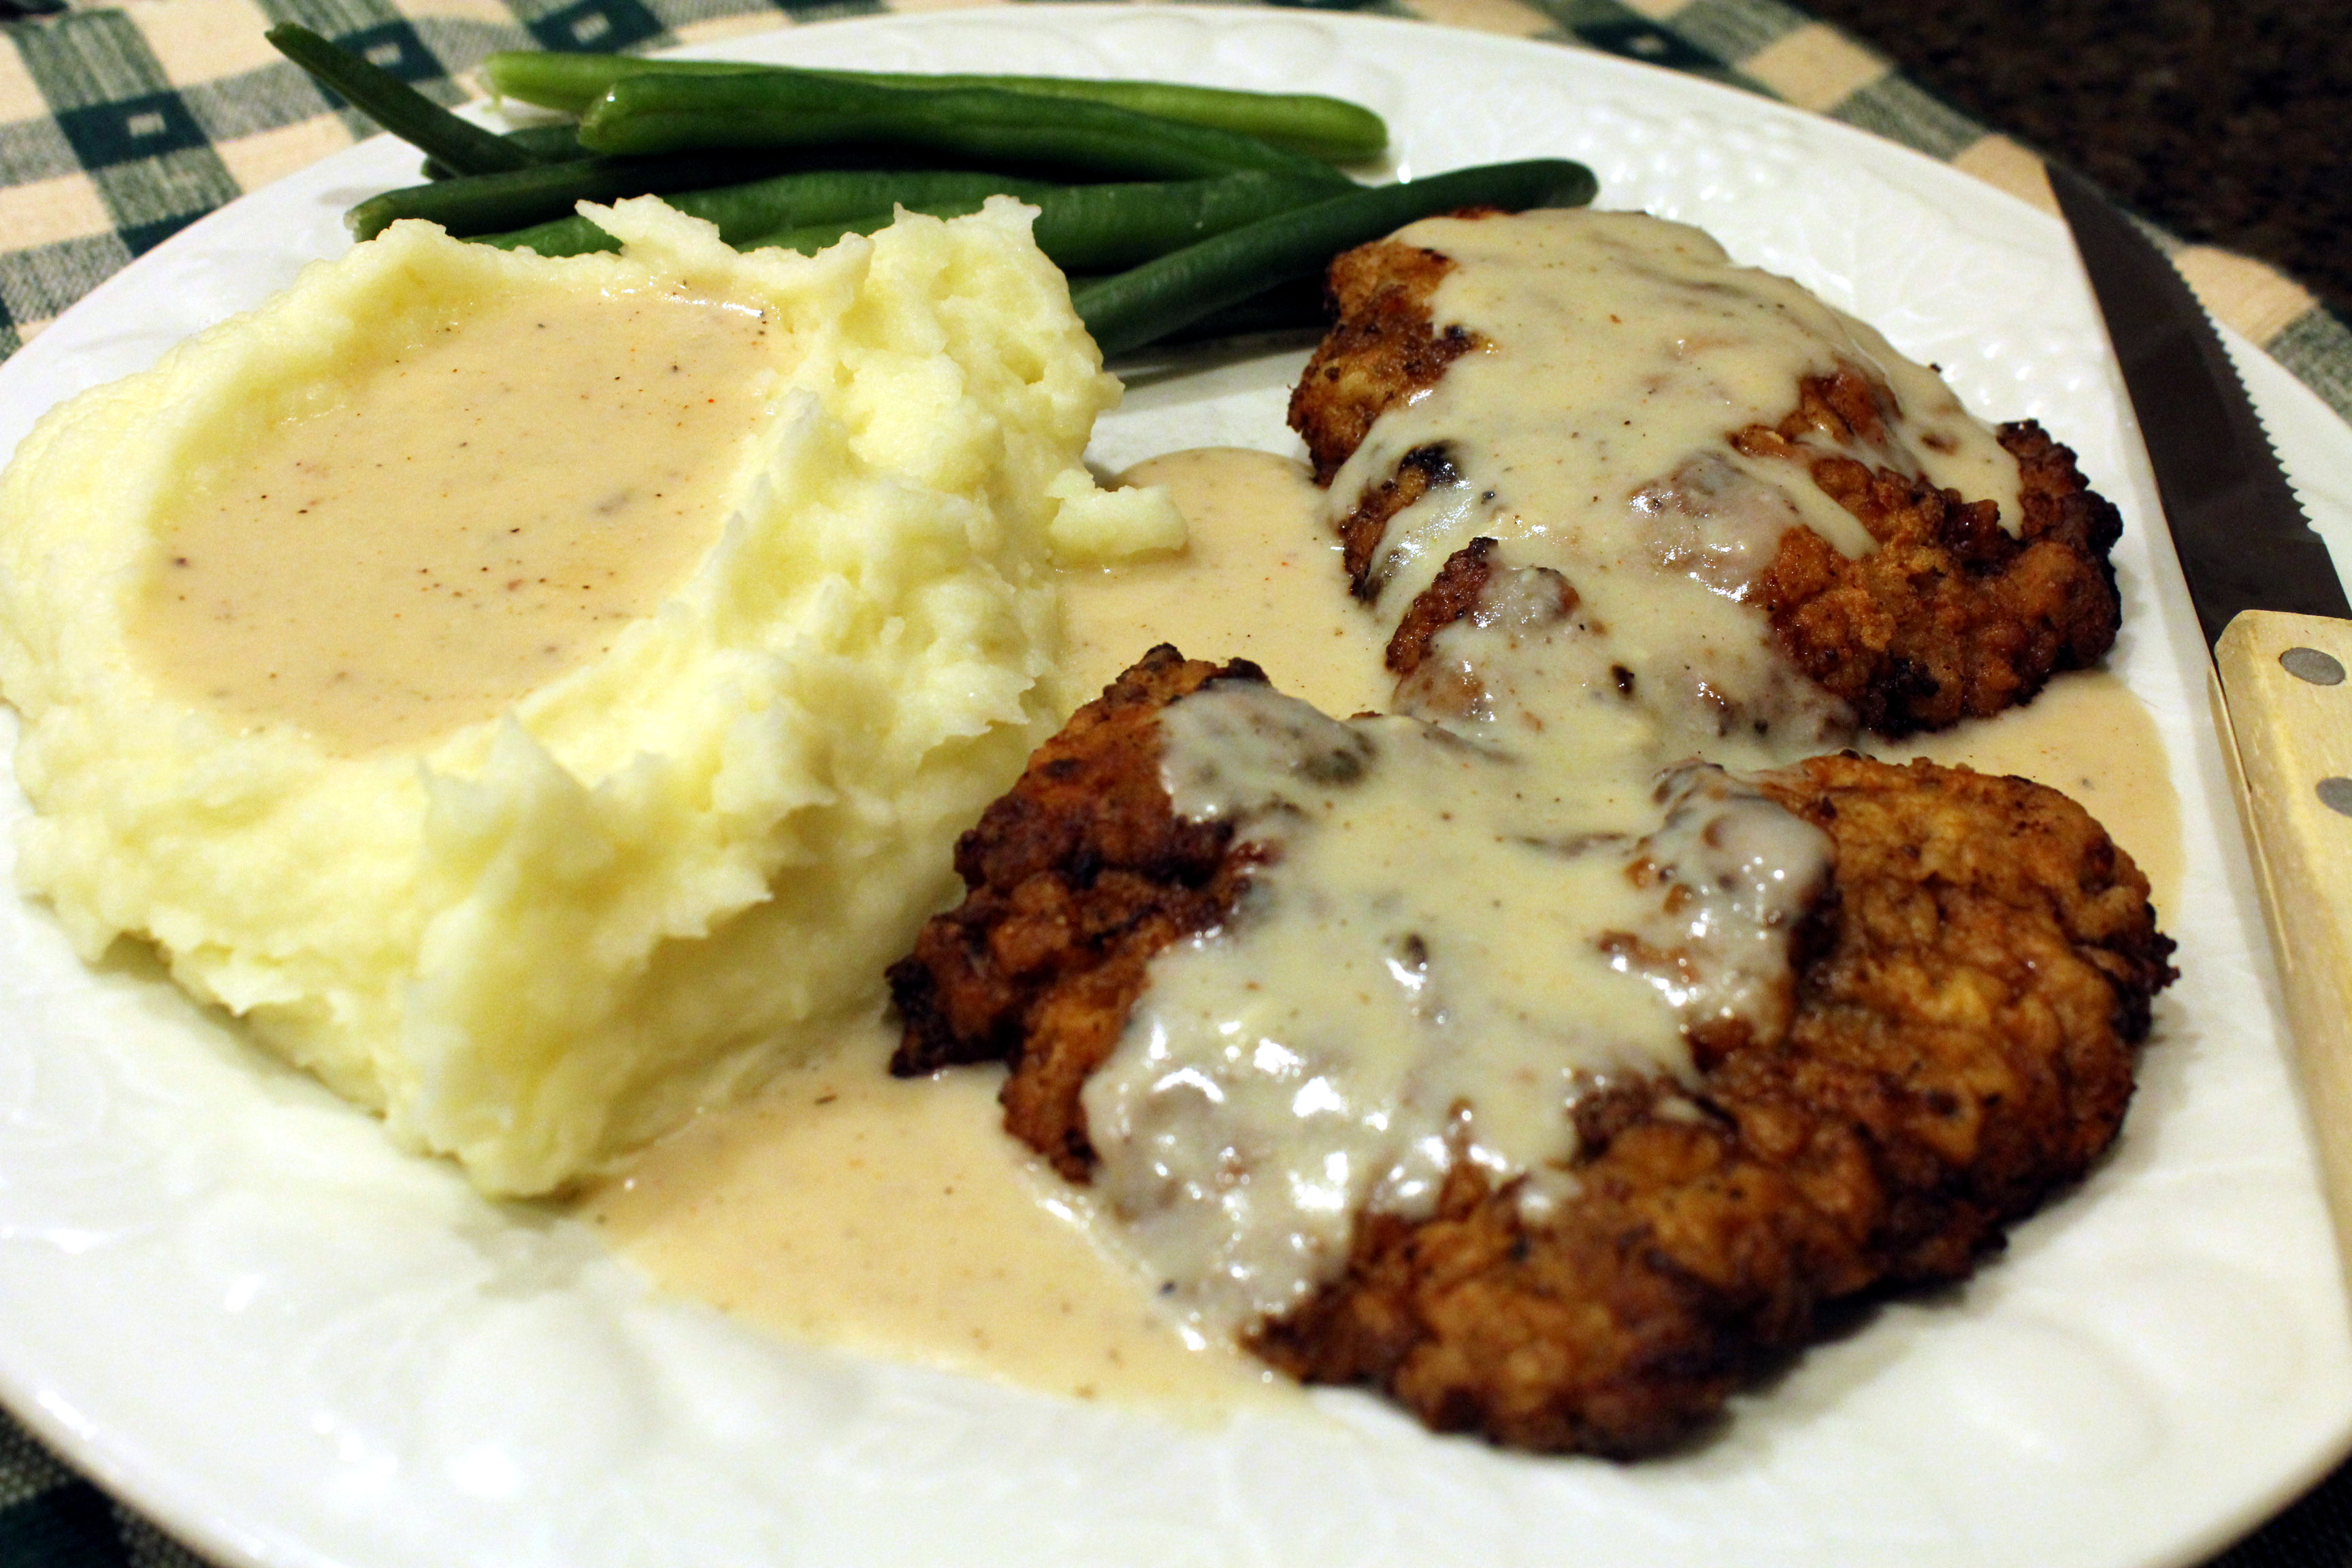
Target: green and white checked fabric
50, 1518
121, 124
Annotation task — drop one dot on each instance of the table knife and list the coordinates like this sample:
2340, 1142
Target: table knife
2275, 615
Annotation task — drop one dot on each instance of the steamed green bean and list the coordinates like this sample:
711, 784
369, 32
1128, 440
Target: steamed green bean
470, 204
1160, 297
669, 113
1100, 228
1328, 128
554, 143
396, 106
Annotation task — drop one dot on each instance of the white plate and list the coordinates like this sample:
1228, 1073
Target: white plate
228, 1297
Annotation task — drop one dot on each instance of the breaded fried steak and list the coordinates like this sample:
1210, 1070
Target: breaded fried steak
1510, 1051
1969, 997
1958, 603
1074, 877
1951, 1042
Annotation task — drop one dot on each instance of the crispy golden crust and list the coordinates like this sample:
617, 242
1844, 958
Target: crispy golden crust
1361, 530
1968, 995
1076, 876
1962, 1047
1467, 587
1951, 616
1453, 596
1381, 348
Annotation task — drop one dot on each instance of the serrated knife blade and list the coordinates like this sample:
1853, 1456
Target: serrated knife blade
2243, 541
2274, 615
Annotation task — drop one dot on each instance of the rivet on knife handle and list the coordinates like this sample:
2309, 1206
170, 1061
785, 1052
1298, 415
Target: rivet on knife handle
2274, 611
2290, 713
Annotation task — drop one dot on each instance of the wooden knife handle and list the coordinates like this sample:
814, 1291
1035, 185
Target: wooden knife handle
2284, 712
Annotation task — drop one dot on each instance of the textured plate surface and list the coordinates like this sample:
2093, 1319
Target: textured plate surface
224, 1292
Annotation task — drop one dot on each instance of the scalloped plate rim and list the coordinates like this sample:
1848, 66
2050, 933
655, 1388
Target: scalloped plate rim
131, 1466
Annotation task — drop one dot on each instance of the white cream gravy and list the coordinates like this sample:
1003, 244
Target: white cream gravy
1591, 434
784, 1212
895, 1216
1254, 516
1453, 945
1283, 1072
466, 516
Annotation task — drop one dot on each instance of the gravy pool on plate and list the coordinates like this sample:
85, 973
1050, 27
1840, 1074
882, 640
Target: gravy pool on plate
992, 1269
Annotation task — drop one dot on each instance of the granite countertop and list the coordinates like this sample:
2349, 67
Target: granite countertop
2224, 121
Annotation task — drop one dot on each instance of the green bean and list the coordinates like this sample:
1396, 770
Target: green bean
486, 204
1100, 228
746, 213
1299, 305
558, 144
1159, 297
573, 236
396, 106
570, 82
667, 112
1295, 306
1328, 128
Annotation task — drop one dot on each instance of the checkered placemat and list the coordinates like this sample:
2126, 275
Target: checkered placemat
121, 123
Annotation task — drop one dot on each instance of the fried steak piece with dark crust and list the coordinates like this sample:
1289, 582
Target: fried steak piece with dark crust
1076, 876
1381, 346
1969, 997
1950, 618
1969, 993
1380, 349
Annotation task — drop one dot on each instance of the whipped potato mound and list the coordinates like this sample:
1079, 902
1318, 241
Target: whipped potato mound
536, 897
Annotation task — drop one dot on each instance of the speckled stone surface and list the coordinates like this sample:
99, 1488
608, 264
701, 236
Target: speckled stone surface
2228, 121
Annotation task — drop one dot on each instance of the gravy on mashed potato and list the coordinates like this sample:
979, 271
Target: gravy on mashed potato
476, 511
539, 889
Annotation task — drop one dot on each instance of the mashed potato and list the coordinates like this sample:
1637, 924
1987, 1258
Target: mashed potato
537, 932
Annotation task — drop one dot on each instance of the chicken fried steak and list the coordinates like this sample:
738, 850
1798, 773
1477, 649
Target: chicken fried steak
1966, 991
1509, 1051
1947, 614
1074, 877
1968, 995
